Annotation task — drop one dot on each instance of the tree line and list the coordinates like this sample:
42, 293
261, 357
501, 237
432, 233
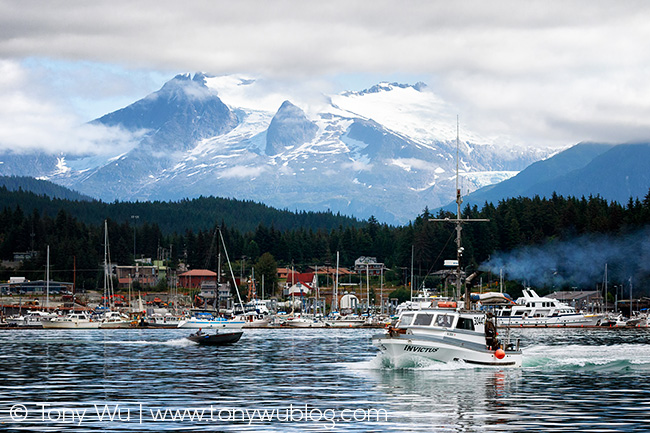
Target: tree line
76, 239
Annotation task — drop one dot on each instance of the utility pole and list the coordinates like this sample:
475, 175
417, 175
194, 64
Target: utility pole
135, 219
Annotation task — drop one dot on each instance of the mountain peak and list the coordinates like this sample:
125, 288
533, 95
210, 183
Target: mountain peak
385, 86
289, 127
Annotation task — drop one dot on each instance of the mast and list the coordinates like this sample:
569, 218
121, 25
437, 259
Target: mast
232, 274
605, 294
368, 287
108, 281
336, 286
74, 279
412, 258
458, 222
47, 282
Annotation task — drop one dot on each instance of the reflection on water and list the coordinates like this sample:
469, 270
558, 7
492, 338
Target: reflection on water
572, 380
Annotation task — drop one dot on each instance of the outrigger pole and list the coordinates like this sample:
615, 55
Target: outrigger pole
459, 221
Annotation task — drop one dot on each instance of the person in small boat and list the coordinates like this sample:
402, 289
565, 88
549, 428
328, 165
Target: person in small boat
199, 332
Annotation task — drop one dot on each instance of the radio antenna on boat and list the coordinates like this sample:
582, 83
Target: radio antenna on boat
458, 222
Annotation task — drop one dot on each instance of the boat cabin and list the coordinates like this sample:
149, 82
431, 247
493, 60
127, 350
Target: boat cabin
447, 320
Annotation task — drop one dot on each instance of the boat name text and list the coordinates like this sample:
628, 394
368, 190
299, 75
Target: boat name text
419, 349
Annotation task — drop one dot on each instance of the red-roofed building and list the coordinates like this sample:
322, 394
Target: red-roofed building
307, 278
193, 279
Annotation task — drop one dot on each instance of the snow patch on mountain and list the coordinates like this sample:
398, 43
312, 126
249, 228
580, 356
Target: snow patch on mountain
357, 153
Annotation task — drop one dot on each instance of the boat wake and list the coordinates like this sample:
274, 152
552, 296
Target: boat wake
384, 363
620, 357
596, 358
177, 342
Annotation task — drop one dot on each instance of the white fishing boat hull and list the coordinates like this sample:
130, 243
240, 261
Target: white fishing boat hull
402, 348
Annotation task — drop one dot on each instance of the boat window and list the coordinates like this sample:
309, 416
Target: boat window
444, 320
423, 319
465, 323
405, 320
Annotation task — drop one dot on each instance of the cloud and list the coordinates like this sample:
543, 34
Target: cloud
533, 72
31, 120
242, 172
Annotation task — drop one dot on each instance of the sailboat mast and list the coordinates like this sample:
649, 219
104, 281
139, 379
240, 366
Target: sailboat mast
336, 285
47, 283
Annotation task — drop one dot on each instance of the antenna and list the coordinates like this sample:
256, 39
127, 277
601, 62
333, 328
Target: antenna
458, 221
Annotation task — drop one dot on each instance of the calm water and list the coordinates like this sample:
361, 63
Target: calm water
316, 380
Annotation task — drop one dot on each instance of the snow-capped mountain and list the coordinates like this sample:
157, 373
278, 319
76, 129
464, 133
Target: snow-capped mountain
388, 151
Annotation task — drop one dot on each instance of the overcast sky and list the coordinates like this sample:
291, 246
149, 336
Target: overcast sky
531, 72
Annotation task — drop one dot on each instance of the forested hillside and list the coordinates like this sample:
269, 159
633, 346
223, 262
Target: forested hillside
40, 187
190, 214
514, 224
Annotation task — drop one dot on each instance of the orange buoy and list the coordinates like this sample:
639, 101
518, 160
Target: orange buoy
499, 353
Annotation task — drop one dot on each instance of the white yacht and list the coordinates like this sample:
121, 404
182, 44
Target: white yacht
167, 320
31, 319
306, 321
532, 310
346, 321
114, 320
74, 320
446, 335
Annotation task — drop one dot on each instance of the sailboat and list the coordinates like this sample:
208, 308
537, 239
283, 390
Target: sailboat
110, 318
208, 320
72, 320
335, 319
449, 331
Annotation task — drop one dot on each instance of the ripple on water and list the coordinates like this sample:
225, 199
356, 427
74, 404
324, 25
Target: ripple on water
572, 380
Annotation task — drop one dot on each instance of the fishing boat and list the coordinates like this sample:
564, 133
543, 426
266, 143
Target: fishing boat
448, 334
448, 331
532, 310
216, 339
